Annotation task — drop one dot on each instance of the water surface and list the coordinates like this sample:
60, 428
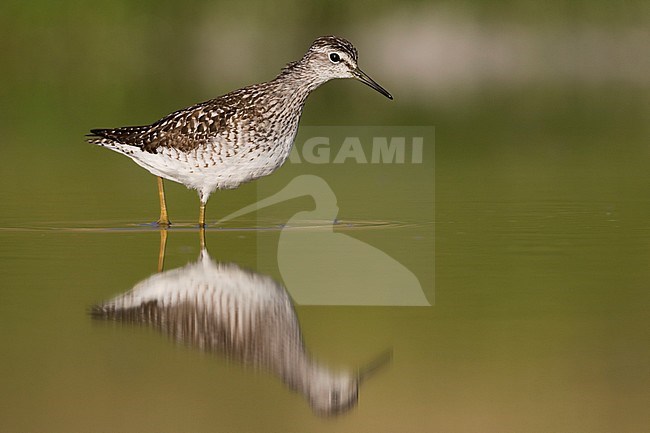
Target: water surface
524, 231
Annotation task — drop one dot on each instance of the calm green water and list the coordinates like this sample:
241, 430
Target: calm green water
538, 318
525, 226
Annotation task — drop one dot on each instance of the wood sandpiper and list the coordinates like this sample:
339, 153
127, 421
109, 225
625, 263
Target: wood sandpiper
238, 137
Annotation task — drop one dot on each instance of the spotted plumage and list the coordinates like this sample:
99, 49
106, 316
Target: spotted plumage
237, 137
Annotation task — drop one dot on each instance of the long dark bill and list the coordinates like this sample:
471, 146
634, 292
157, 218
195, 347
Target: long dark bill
361, 76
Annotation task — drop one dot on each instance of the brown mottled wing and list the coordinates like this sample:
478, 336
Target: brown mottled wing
184, 130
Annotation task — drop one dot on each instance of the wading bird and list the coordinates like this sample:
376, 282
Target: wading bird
237, 137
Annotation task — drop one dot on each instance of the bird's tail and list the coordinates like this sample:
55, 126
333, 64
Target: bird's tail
131, 135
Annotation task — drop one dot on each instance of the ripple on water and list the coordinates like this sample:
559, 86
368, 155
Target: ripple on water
234, 226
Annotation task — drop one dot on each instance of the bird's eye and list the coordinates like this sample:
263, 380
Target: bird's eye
335, 58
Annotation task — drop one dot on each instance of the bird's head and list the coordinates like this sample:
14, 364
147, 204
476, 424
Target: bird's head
333, 394
333, 57
336, 393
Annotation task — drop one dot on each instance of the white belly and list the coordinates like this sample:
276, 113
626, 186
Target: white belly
206, 170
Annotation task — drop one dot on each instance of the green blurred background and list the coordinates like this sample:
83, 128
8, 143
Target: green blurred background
542, 239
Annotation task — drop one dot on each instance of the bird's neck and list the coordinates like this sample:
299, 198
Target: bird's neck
299, 79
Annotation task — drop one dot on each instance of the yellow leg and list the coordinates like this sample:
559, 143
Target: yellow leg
164, 219
202, 237
163, 246
202, 215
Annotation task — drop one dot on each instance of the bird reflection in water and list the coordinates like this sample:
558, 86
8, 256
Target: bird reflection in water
246, 316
